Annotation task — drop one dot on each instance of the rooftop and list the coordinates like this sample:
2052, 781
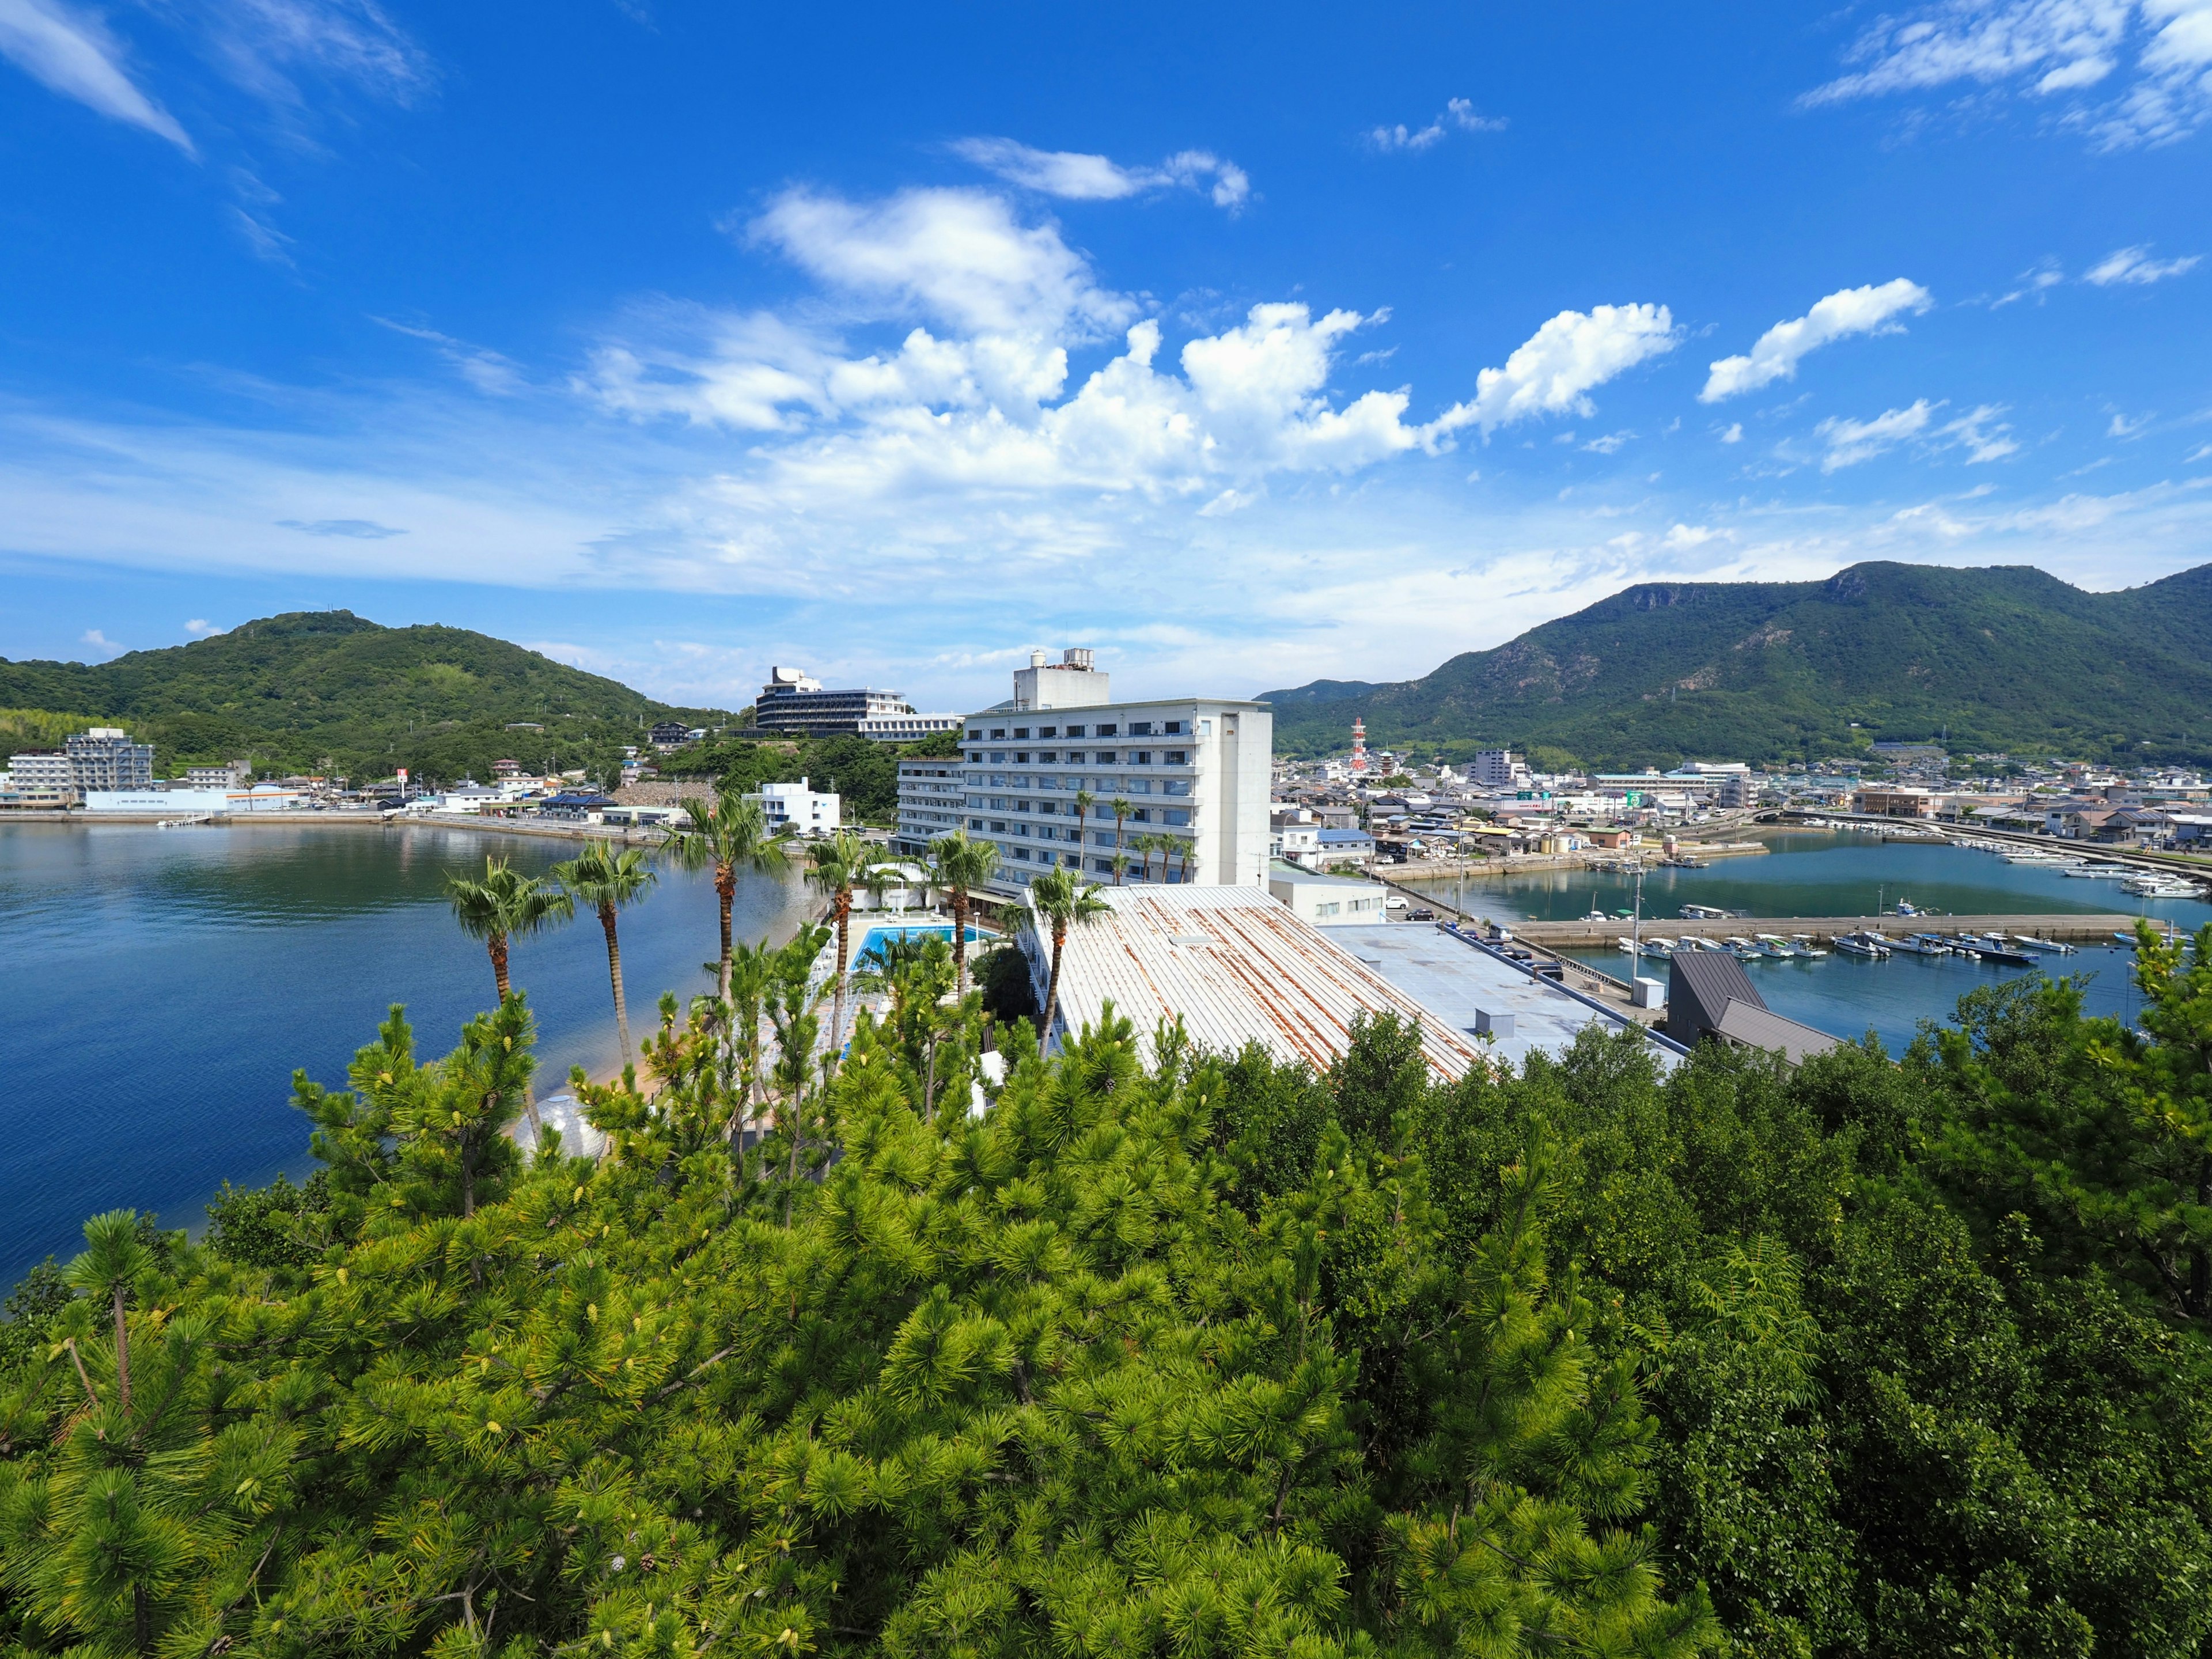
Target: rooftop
1237, 967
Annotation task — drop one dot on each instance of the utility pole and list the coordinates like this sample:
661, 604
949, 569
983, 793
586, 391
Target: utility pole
1636, 928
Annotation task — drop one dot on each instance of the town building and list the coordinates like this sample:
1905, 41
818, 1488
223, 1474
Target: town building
1338, 849
908, 728
793, 704
44, 775
1326, 901
931, 796
1498, 769
106, 758
1194, 770
1900, 801
798, 809
231, 775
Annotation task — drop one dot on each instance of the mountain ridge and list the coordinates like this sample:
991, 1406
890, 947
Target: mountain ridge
2001, 657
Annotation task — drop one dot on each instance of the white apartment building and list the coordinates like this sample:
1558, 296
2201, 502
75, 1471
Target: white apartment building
932, 801
44, 775
1498, 769
795, 807
1193, 768
906, 728
106, 758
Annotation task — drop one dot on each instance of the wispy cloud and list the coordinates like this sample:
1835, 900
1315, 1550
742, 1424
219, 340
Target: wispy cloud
1459, 115
1850, 442
1074, 175
73, 53
2147, 60
2135, 265
2033, 284
275, 48
361, 530
1775, 357
487, 370
1981, 435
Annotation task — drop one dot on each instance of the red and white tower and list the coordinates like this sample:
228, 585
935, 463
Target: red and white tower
1359, 745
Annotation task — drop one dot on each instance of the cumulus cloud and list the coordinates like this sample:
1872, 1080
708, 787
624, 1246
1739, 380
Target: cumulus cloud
2148, 56
1734, 433
2135, 265
958, 256
1775, 357
1076, 176
1555, 369
1459, 115
100, 642
1849, 442
1981, 435
73, 54
201, 629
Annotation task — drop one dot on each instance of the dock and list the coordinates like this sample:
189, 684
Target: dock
1598, 935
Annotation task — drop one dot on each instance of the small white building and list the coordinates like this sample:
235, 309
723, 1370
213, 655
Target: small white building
798, 808
1326, 901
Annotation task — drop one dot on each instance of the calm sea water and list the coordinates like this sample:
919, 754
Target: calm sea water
157, 987
1846, 875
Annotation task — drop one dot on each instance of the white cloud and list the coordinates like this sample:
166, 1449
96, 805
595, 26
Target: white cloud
487, 370
1868, 310
2122, 426
100, 642
1459, 115
73, 54
200, 628
2135, 265
2151, 55
2202, 452
958, 256
1077, 177
2032, 284
1734, 435
1849, 442
1981, 435
1683, 537
1554, 370
1610, 443
270, 47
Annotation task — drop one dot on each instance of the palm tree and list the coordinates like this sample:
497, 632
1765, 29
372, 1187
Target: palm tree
1084, 802
1120, 809
960, 866
605, 880
1063, 900
1185, 848
1120, 864
727, 835
505, 905
836, 866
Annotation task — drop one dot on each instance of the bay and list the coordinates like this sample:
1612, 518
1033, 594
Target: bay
158, 988
1832, 874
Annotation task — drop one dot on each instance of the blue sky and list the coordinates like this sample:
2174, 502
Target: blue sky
1244, 345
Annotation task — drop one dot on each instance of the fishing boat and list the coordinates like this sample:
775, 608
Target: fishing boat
2034, 857
1806, 945
1861, 945
1744, 949
1921, 944
1626, 943
1773, 945
2096, 871
2042, 946
1661, 948
2157, 884
1991, 951
1704, 912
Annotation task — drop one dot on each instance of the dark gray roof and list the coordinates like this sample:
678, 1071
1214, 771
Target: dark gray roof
1700, 984
1762, 1028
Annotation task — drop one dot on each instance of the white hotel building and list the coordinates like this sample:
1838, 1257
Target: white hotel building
1194, 768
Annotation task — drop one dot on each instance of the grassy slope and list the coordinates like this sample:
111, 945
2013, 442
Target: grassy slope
2005, 658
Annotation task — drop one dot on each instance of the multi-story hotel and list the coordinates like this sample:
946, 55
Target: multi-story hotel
1192, 769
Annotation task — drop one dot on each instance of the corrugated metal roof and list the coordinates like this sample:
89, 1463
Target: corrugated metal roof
1762, 1028
1237, 967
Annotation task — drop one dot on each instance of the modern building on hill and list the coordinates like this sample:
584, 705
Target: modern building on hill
106, 758
793, 704
1192, 770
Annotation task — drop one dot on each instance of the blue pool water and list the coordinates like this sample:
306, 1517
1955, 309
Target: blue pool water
875, 936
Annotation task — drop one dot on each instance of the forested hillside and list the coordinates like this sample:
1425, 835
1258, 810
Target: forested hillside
1998, 660
1224, 1360
331, 691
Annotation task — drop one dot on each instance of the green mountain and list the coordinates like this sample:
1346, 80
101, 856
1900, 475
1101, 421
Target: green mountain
2006, 659
329, 690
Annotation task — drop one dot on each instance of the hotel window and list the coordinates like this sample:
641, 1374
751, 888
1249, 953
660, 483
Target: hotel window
1020, 732
997, 757
1175, 786
1107, 731
975, 800
1138, 786
1021, 851
998, 803
1100, 838
1045, 756
1021, 806
1178, 758
1173, 728
997, 826
1140, 728
975, 732
1048, 731
1142, 815
1141, 757
974, 823
1103, 866
1074, 731
1104, 758
1021, 758
1046, 808
1175, 815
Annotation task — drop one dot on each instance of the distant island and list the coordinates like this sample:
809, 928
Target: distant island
2002, 659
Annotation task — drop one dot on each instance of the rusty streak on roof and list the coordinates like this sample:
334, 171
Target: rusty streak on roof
1237, 967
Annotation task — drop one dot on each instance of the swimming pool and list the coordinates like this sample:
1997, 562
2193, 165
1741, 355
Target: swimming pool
876, 936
